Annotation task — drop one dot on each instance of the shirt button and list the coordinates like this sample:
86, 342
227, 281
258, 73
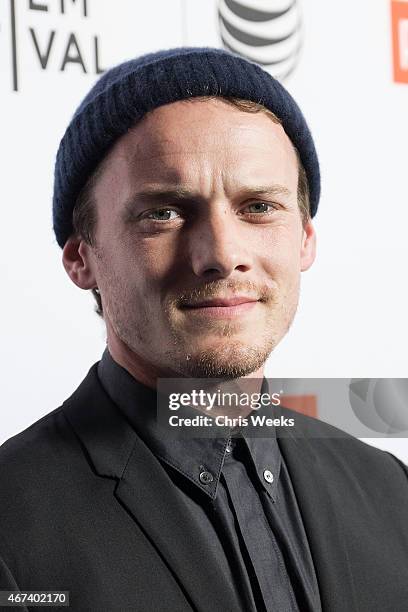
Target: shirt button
267, 474
206, 477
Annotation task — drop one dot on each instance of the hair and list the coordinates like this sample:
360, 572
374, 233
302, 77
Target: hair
84, 214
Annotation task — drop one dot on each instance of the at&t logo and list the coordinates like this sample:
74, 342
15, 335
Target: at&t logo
266, 32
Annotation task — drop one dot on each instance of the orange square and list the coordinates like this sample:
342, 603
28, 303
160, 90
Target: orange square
306, 404
399, 14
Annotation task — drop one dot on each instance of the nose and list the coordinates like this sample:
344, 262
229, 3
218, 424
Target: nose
217, 245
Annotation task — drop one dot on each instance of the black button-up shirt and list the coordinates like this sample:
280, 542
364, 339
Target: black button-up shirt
239, 492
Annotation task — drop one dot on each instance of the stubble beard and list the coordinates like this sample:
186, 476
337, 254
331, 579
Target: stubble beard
234, 359
228, 363
230, 358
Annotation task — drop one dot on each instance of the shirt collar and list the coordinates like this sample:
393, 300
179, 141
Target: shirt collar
189, 456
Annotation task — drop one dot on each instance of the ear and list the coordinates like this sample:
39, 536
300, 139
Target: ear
308, 247
78, 263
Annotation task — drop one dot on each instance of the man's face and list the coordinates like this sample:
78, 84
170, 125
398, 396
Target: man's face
197, 202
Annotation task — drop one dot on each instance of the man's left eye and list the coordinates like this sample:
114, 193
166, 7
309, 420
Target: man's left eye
261, 207
162, 214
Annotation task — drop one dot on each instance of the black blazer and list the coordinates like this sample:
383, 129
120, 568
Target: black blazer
86, 507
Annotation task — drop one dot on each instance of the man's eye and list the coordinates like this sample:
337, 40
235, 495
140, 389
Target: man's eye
261, 207
161, 214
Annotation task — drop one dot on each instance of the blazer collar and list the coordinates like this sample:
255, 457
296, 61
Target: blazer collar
188, 455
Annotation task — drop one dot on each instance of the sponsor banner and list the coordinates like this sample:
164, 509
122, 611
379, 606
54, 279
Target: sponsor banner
52, 43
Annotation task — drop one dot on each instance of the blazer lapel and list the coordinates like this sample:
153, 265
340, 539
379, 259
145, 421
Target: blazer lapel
147, 492
314, 487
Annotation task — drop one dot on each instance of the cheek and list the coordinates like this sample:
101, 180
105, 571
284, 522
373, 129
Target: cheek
145, 263
155, 258
280, 253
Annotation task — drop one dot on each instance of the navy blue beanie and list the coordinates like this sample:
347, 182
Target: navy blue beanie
125, 93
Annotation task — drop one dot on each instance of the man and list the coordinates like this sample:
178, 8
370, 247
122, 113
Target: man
185, 188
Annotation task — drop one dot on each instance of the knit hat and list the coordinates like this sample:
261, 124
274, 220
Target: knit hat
123, 95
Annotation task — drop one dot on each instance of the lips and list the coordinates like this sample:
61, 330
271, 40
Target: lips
222, 302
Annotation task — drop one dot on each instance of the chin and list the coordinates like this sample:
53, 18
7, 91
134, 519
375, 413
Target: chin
230, 363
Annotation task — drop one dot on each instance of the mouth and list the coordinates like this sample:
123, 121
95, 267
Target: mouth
219, 308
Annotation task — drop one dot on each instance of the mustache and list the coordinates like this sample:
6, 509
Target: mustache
215, 289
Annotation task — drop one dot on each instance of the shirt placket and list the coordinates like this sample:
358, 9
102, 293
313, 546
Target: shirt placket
263, 550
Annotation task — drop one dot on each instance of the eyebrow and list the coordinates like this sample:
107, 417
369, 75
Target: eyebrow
163, 194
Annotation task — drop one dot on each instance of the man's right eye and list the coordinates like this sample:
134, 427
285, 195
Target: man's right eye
161, 214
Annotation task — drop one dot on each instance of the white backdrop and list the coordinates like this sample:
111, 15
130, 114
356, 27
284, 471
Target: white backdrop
352, 316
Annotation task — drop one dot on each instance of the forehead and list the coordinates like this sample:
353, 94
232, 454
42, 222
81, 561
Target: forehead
180, 141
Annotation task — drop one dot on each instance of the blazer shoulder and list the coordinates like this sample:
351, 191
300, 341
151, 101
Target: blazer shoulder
44, 443
335, 446
34, 447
